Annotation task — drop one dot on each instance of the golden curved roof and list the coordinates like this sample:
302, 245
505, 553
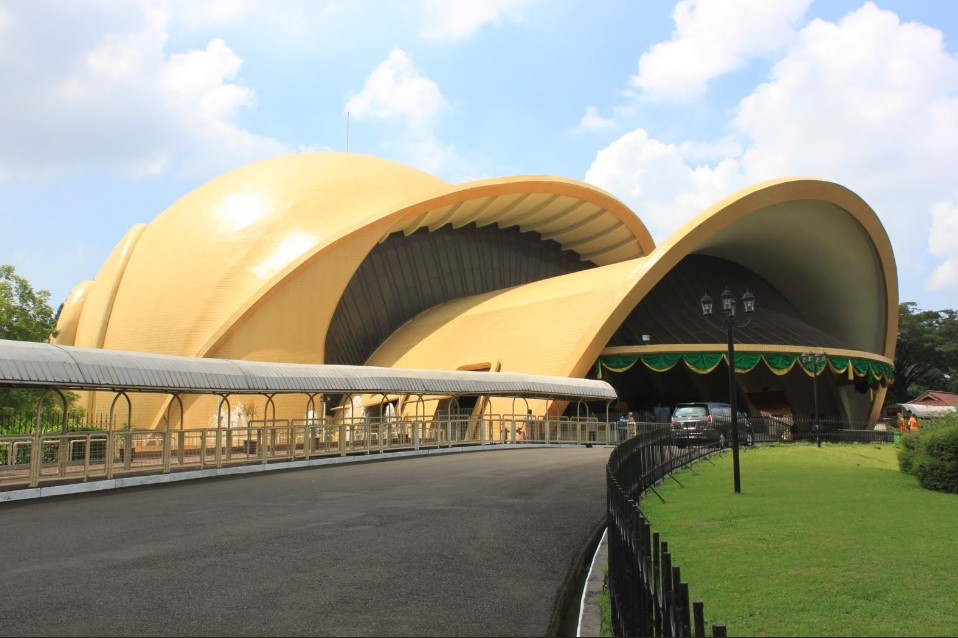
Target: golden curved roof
818, 242
253, 264
230, 255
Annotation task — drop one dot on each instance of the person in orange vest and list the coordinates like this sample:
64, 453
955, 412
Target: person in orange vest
902, 423
913, 425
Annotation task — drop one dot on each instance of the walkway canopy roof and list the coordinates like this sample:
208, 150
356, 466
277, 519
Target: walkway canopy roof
43, 365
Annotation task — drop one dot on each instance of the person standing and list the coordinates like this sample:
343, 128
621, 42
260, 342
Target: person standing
902, 422
623, 426
913, 425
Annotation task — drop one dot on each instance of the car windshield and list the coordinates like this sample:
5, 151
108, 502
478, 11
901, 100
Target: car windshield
691, 410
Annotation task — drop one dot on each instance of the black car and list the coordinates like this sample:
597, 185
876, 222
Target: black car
708, 424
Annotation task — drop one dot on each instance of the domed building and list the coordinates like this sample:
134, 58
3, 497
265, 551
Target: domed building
341, 258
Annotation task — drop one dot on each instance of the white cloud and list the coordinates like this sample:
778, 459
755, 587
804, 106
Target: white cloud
204, 12
109, 95
868, 101
943, 242
455, 19
712, 38
592, 120
665, 184
397, 90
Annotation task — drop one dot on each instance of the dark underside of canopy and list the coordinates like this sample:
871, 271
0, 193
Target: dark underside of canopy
405, 275
671, 312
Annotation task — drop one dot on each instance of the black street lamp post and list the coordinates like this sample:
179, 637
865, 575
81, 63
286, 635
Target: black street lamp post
817, 362
728, 305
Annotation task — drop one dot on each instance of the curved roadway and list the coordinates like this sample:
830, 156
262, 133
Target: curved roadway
458, 544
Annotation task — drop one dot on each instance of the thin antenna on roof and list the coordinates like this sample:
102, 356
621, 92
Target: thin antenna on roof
347, 131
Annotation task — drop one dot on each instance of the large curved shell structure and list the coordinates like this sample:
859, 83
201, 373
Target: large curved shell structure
341, 258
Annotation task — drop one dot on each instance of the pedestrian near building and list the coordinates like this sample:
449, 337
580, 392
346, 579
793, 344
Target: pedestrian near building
528, 427
903, 422
913, 425
623, 426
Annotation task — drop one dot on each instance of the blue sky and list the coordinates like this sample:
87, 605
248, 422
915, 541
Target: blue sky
112, 111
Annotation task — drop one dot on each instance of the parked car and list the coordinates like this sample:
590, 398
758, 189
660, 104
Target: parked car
709, 424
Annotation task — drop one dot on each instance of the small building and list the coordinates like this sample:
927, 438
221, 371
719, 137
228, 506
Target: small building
933, 404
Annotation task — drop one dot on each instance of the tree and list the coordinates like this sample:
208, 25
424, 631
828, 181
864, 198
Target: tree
25, 315
926, 357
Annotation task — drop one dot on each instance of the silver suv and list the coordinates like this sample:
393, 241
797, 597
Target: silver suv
708, 424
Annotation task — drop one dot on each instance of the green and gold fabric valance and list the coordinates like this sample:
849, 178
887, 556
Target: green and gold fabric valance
778, 362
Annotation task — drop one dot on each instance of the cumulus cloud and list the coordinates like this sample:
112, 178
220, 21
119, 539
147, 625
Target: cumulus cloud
109, 95
455, 19
592, 120
666, 184
203, 12
867, 101
942, 243
712, 38
397, 90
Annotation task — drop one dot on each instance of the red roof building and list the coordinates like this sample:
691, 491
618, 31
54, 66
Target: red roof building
936, 397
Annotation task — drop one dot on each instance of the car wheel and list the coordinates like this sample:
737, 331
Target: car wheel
721, 440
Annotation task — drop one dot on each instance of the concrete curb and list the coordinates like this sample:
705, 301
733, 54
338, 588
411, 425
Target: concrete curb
590, 617
190, 475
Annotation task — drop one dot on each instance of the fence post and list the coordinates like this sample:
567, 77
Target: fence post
698, 611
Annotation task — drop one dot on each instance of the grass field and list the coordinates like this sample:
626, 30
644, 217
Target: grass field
830, 541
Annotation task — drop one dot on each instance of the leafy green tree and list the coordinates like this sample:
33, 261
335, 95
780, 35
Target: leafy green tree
25, 315
926, 357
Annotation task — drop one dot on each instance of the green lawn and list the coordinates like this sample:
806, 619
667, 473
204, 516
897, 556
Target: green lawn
821, 541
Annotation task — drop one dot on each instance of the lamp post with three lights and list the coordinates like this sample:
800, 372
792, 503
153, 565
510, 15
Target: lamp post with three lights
728, 306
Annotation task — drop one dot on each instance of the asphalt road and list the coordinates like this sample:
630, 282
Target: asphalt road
461, 544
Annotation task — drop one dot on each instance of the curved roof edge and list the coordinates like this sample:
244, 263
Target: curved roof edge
797, 230
595, 239
705, 232
626, 238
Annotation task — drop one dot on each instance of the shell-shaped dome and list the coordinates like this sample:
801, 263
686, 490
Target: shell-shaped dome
224, 243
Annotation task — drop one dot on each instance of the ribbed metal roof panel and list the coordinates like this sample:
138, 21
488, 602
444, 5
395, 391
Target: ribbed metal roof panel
46, 365
36, 363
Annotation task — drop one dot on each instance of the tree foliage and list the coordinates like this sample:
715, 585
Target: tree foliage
25, 315
926, 357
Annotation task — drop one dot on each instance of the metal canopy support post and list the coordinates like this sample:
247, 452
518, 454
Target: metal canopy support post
127, 449
218, 451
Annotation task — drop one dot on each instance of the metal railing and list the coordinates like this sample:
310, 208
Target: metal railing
648, 595
85, 450
54, 456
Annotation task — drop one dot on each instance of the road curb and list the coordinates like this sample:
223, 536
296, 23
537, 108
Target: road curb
590, 616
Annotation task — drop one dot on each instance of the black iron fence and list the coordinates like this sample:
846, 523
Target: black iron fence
789, 429
648, 595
